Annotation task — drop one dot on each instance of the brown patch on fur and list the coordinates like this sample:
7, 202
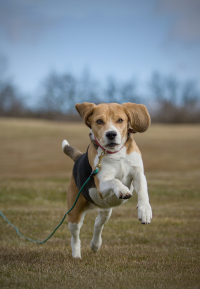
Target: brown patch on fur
85, 109
138, 115
72, 152
131, 146
75, 215
92, 152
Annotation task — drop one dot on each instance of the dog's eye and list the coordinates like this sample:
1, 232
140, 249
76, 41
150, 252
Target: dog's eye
99, 121
120, 120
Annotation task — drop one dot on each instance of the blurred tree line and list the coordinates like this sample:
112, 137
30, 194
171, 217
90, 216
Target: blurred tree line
169, 100
175, 101
10, 102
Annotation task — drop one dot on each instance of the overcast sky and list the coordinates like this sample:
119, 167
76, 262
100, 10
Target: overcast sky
122, 38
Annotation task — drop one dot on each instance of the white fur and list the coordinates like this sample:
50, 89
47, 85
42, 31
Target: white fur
109, 202
92, 135
100, 220
75, 240
115, 180
64, 143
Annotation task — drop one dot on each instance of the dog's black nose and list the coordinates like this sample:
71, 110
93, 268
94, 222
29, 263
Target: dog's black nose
111, 135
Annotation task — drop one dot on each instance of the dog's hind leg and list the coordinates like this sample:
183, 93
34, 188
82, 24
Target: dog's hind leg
75, 217
75, 240
100, 220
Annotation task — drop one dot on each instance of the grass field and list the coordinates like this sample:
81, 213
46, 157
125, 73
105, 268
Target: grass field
34, 175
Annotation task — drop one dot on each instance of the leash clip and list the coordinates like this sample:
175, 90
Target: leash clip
103, 154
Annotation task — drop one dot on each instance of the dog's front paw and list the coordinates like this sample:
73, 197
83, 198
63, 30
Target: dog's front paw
124, 193
144, 212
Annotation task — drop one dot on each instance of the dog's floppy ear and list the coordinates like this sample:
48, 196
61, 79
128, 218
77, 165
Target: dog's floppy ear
85, 109
138, 116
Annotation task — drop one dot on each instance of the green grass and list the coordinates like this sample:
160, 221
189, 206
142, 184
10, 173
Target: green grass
34, 174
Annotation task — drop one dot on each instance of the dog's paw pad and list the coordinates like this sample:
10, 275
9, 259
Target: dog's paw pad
124, 196
120, 195
127, 196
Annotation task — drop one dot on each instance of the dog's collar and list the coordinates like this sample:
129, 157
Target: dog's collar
107, 151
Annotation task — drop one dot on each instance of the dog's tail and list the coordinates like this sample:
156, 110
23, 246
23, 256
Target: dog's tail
70, 151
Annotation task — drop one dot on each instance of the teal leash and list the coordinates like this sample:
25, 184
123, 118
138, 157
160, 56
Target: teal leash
42, 242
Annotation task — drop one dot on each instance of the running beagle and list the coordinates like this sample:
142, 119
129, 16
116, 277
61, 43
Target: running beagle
121, 171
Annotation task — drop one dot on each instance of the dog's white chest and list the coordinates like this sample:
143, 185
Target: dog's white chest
120, 167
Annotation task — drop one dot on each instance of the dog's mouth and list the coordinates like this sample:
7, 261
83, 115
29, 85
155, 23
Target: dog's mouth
111, 145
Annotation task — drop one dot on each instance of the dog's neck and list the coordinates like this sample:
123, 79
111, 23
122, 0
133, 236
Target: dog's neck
93, 141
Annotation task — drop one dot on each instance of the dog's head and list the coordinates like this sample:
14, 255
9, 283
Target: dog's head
111, 122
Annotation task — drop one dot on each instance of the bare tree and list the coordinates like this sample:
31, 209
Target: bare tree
89, 89
176, 102
128, 92
111, 91
63, 91
10, 102
120, 92
59, 93
190, 94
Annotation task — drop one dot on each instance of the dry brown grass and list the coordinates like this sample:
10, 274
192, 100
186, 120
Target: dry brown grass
34, 174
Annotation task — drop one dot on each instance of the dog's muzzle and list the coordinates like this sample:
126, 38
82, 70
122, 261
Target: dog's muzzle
111, 135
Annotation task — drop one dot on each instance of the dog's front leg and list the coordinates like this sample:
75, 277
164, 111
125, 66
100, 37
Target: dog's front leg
143, 206
114, 186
